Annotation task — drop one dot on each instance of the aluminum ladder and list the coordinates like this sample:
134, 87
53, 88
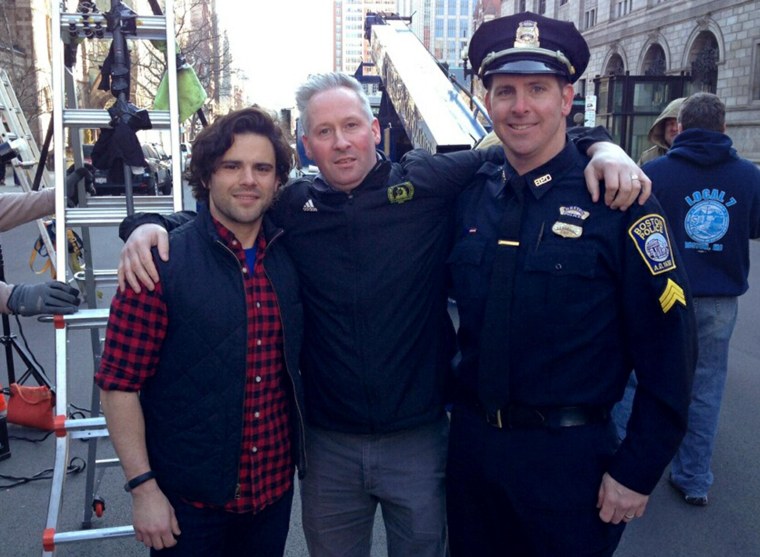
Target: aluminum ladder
94, 212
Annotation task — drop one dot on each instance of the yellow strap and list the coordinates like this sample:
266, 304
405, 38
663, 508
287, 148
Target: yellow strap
47, 266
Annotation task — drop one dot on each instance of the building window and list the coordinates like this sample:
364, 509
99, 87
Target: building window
704, 63
589, 18
623, 7
464, 7
562, 2
439, 27
654, 61
541, 7
521, 6
615, 66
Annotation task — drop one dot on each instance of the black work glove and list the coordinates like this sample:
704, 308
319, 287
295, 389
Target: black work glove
48, 297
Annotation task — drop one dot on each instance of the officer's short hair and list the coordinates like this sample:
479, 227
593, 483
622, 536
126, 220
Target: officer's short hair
703, 110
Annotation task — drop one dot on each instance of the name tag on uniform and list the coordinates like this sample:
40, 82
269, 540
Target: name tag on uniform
570, 222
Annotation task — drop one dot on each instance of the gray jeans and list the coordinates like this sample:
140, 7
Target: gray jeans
348, 475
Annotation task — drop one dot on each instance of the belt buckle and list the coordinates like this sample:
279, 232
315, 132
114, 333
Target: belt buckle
538, 418
494, 419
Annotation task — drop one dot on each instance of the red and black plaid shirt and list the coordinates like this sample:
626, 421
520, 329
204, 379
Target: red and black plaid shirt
136, 329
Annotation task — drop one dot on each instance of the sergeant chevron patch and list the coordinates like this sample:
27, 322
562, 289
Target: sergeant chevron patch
671, 295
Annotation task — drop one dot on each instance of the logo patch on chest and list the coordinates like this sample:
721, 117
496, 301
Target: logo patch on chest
401, 193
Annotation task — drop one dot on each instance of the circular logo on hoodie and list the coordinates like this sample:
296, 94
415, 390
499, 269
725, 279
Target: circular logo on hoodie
707, 221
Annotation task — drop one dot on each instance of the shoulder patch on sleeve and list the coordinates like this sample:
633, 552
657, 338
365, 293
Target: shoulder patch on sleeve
672, 295
650, 234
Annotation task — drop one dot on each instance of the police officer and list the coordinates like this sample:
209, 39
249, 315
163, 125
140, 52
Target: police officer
559, 298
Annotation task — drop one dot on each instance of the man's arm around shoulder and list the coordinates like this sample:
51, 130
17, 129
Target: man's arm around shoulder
141, 232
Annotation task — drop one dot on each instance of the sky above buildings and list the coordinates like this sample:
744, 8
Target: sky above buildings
277, 44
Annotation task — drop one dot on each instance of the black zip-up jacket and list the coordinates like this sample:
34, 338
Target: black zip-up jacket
378, 340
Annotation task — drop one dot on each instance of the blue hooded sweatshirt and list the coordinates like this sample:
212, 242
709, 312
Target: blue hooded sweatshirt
711, 197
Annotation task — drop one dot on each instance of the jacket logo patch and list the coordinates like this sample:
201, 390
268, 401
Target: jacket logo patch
672, 295
401, 193
309, 207
650, 234
707, 220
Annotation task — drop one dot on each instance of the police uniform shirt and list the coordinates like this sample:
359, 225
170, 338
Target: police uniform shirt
597, 292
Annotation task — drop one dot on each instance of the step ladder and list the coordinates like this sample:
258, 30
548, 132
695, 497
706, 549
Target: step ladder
14, 129
94, 212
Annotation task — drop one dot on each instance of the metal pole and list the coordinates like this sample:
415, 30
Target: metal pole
119, 89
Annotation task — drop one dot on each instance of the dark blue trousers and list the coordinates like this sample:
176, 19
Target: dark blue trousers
217, 533
527, 492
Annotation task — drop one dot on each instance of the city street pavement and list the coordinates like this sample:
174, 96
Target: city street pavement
727, 527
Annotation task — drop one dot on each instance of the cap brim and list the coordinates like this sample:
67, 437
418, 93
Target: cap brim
526, 67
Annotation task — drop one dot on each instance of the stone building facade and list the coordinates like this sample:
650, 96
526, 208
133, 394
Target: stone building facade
715, 42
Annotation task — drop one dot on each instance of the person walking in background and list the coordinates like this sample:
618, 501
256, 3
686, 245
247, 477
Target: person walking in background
662, 132
712, 198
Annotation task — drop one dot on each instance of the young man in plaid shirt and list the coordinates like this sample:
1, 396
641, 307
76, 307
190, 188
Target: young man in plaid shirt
199, 377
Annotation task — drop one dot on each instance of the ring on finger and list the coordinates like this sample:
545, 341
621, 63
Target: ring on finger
634, 177
628, 516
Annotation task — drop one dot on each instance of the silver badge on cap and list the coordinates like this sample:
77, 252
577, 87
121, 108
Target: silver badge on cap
527, 35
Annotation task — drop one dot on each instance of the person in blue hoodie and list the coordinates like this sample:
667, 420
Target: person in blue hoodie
711, 197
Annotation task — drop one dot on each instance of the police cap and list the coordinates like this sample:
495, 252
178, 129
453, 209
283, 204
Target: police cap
527, 44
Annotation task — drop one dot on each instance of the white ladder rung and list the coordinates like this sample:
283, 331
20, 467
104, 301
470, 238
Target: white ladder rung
52, 538
149, 27
99, 118
83, 319
144, 203
107, 462
102, 277
85, 216
85, 428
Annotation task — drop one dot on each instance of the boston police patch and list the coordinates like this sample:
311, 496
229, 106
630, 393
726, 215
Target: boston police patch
650, 234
